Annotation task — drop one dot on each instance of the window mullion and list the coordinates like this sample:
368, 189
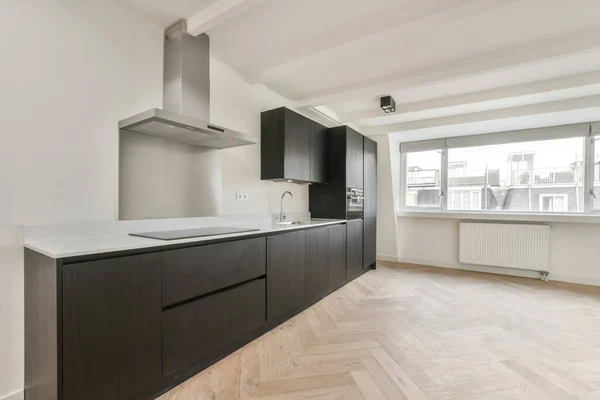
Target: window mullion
444, 179
588, 179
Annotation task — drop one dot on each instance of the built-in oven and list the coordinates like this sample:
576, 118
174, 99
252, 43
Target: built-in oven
355, 203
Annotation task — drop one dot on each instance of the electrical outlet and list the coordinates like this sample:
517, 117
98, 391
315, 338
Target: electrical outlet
241, 196
245, 196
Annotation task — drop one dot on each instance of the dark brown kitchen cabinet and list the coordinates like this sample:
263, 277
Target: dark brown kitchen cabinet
370, 242
354, 159
317, 263
286, 272
337, 256
198, 329
370, 177
318, 153
195, 271
292, 147
354, 246
111, 327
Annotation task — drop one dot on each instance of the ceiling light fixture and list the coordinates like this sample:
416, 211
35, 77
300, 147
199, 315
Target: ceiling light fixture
388, 104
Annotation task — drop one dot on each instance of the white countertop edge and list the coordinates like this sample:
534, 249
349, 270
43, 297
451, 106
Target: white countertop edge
496, 216
144, 243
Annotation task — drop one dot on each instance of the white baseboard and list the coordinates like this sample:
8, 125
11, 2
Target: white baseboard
18, 395
491, 270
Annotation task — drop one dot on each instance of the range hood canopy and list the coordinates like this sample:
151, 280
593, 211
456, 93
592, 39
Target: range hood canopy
186, 97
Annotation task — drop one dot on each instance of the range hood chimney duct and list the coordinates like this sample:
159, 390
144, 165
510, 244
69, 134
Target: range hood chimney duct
186, 96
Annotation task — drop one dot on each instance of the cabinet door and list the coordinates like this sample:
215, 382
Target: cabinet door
337, 256
111, 327
354, 159
354, 246
197, 330
286, 272
370, 242
317, 264
370, 177
318, 153
195, 271
297, 146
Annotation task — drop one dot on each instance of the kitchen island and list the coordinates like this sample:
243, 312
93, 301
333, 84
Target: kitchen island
114, 316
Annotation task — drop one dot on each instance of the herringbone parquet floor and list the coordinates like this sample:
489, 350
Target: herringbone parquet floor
416, 333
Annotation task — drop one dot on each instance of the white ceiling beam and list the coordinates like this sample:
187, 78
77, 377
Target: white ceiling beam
450, 10
512, 112
550, 85
529, 53
217, 13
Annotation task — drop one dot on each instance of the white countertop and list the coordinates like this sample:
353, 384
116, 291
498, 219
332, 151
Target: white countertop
60, 245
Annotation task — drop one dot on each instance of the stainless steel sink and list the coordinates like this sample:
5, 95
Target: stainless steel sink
289, 223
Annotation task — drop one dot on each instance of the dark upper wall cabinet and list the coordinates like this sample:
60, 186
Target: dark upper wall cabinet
370, 177
293, 147
354, 159
345, 167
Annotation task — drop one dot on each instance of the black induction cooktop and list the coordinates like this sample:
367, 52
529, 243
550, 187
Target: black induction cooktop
192, 233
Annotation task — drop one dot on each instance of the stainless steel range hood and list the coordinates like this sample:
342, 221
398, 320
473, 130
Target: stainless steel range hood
186, 97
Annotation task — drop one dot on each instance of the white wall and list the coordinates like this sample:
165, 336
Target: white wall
70, 71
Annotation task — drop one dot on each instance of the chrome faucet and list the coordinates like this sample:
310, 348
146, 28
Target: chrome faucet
282, 214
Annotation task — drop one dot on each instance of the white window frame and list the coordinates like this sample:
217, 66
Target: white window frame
589, 131
590, 170
404, 179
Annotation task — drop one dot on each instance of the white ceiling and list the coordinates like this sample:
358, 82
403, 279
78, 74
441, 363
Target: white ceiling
444, 61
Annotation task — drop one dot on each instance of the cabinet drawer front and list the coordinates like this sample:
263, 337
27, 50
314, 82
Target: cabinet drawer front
188, 273
198, 329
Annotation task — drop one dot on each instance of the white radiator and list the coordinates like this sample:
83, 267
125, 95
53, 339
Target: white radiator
517, 246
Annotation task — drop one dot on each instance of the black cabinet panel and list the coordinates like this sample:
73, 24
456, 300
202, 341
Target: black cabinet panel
317, 263
286, 272
198, 329
293, 147
370, 177
354, 246
337, 255
195, 271
354, 159
111, 327
318, 153
370, 242
297, 146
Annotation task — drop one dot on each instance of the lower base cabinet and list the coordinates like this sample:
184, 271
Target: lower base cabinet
354, 246
317, 264
198, 329
337, 256
111, 327
108, 326
370, 242
286, 272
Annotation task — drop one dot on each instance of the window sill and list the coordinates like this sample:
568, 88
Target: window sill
496, 216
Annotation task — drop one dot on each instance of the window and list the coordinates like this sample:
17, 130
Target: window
538, 170
464, 199
423, 179
513, 176
554, 202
